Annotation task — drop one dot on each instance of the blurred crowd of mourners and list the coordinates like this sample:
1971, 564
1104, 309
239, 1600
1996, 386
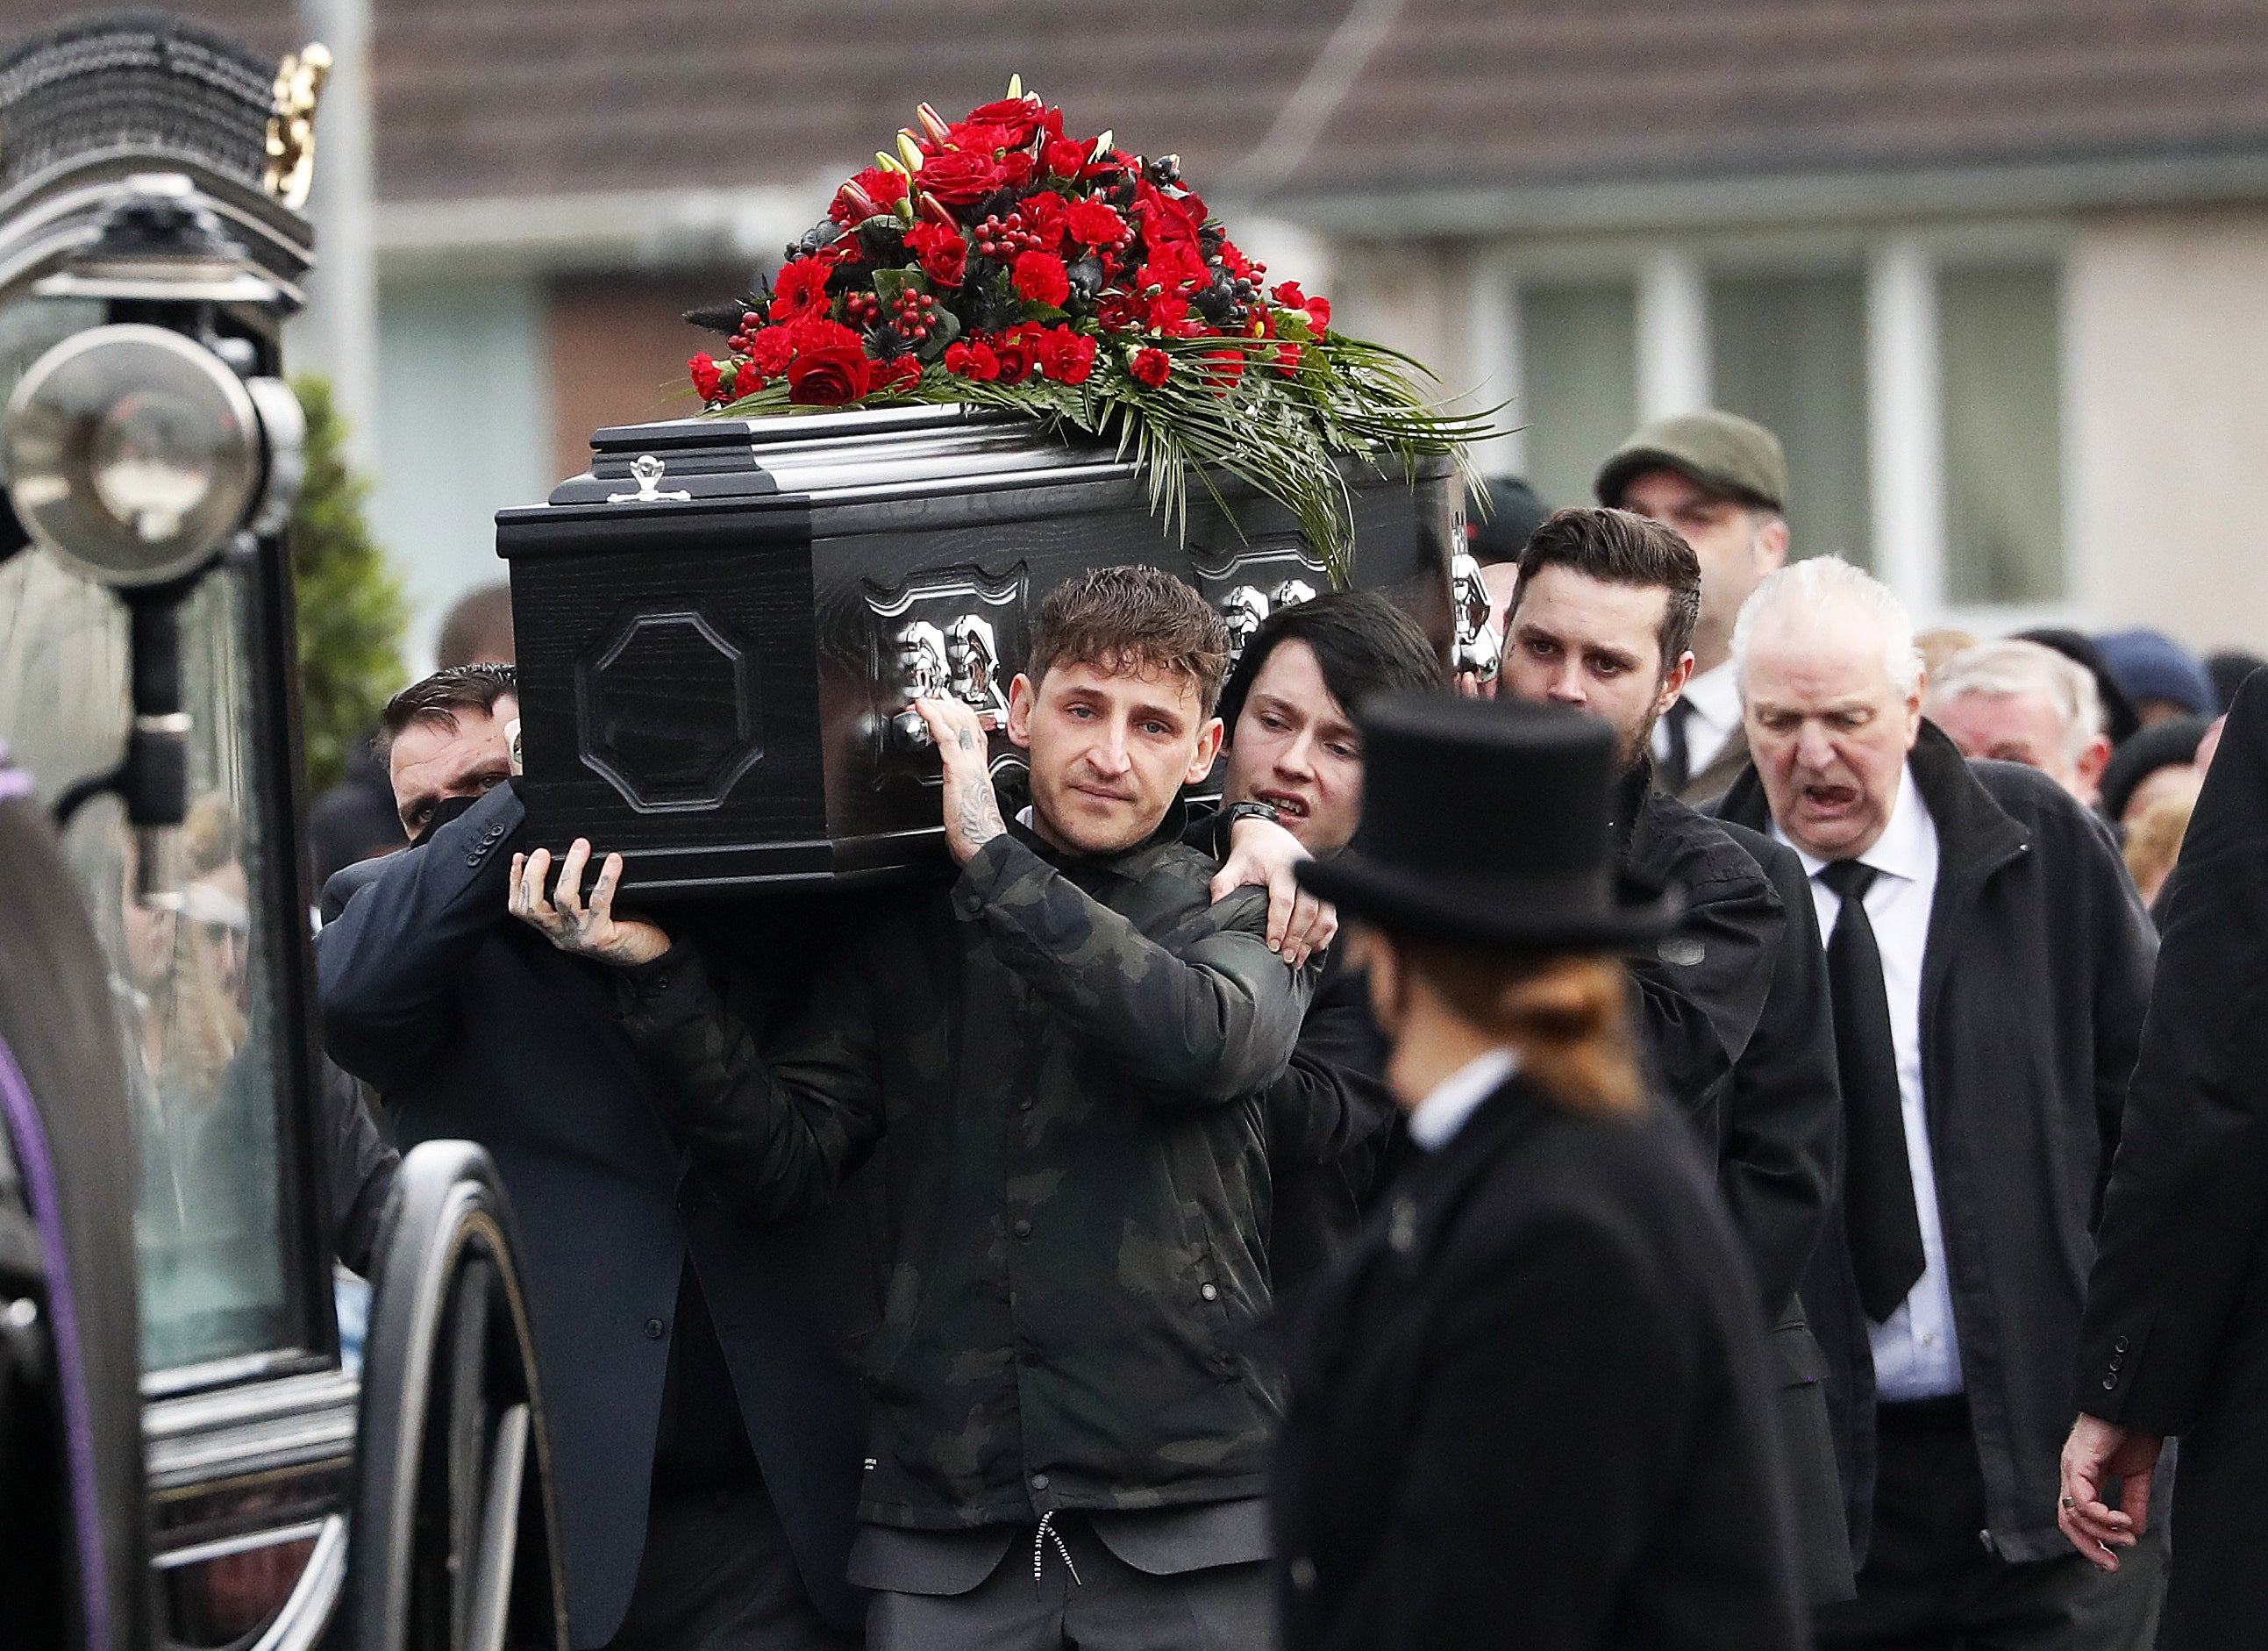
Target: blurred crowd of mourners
1747, 1129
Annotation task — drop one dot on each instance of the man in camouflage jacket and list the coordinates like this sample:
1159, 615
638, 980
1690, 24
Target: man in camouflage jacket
1067, 1052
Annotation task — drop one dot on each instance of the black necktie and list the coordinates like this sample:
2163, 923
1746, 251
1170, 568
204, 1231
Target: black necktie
1878, 1196
1677, 761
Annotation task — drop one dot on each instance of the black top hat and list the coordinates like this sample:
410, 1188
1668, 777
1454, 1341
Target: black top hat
1484, 823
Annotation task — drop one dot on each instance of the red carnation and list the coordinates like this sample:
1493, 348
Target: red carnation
1319, 314
708, 377
943, 252
972, 359
818, 333
770, 351
1067, 355
801, 288
1063, 158
1224, 367
1287, 359
1288, 294
1094, 224
1017, 354
1016, 169
1045, 216
829, 376
1020, 117
1119, 313
1042, 278
889, 375
960, 178
1151, 366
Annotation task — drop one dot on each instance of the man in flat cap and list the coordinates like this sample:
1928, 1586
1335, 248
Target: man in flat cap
1722, 480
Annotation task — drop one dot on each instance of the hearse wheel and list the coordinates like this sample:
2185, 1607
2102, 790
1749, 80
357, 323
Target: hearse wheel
452, 1545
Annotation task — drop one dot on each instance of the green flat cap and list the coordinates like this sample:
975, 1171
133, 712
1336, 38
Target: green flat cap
1723, 451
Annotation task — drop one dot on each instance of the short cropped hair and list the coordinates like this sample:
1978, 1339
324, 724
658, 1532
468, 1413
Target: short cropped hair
1818, 588
1363, 642
2000, 670
440, 698
478, 628
1132, 618
1621, 546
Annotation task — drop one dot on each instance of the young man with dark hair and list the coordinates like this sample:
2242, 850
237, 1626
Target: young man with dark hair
1067, 1051
1294, 753
1734, 1004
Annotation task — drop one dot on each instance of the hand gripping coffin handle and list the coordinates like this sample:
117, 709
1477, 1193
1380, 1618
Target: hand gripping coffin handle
961, 661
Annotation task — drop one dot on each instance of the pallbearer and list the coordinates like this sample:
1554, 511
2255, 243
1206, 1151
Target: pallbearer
1530, 1407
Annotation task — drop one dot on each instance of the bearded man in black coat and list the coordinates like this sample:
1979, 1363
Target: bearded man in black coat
1530, 1405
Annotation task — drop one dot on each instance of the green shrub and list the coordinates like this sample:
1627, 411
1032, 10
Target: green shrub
352, 609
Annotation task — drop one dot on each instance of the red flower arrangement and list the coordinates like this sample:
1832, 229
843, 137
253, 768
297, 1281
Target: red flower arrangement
998, 260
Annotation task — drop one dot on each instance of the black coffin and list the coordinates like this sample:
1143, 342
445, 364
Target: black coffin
720, 627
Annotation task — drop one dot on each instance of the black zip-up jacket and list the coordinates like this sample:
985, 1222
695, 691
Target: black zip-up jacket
2033, 982
1069, 1061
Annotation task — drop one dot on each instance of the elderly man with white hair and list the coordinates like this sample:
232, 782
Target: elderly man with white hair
1989, 966
2022, 702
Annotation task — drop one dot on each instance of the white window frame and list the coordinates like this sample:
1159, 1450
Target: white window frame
1900, 265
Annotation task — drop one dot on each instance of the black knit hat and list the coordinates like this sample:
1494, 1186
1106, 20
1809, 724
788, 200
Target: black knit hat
1484, 823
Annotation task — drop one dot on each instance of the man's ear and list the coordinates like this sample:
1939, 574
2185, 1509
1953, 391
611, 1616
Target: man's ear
1674, 685
1771, 546
1022, 697
1208, 749
2090, 765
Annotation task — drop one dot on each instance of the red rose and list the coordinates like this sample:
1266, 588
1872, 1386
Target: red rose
829, 376
1018, 117
943, 252
889, 375
801, 288
1042, 278
1017, 354
1016, 169
972, 359
982, 138
1151, 366
769, 351
708, 378
1067, 355
1094, 224
1063, 158
960, 178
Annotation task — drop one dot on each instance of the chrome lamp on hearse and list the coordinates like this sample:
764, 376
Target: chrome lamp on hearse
185, 1460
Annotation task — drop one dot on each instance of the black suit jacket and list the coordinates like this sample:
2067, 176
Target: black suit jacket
1531, 1406
472, 1026
2034, 979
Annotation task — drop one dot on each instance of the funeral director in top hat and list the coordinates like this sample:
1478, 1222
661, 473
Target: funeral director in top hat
1531, 1406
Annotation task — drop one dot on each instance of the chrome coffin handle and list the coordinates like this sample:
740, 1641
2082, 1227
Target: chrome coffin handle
1475, 649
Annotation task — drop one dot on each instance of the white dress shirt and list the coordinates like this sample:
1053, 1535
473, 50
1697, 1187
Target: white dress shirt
1716, 701
1917, 1350
1443, 1112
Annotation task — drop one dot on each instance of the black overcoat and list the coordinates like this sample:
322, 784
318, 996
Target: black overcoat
1530, 1407
2034, 980
472, 1026
2175, 1337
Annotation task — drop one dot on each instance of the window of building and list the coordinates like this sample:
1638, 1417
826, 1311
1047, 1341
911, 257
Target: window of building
1790, 352
1579, 382
2000, 372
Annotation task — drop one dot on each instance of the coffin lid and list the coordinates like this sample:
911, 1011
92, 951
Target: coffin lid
870, 454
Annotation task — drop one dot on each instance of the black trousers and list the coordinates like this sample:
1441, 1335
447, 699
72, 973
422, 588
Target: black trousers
1930, 1584
718, 1574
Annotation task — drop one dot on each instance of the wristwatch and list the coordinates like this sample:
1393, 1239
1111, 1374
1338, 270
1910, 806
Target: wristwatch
1237, 811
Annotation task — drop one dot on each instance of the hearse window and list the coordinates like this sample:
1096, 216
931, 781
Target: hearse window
191, 968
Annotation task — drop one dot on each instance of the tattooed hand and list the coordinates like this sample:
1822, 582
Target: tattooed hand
972, 813
583, 931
